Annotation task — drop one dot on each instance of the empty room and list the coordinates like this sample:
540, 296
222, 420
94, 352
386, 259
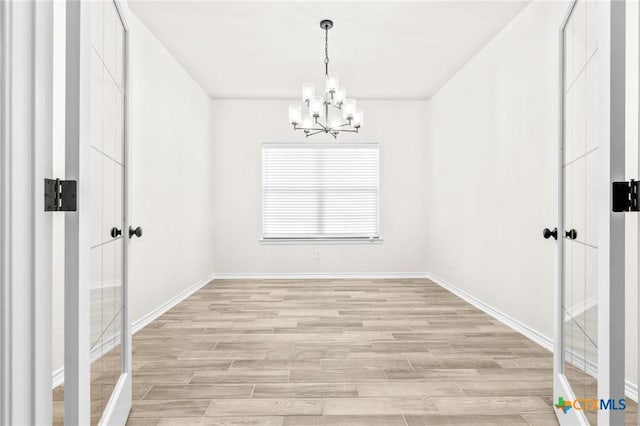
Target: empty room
304, 213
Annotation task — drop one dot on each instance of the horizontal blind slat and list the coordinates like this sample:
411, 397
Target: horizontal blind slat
320, 191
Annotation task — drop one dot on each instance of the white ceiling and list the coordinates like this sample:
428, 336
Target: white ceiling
380, 50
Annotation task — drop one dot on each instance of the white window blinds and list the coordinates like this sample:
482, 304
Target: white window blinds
320, 191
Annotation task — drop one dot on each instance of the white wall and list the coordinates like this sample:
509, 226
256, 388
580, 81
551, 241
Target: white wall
172, 178
492, 170
239, 127
492, 173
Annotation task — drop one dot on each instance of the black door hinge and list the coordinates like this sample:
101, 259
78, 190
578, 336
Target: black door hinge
625, 196
60, 195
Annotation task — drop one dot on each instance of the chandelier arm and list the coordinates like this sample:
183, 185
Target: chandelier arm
295, 127
324, 128
315, 133
334, 133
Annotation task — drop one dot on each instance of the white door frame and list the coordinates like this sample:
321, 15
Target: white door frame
77, 163
26, 111
77, 300
611, 229
611, 226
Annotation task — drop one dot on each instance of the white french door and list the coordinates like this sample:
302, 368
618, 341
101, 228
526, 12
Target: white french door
97, 326
589, 353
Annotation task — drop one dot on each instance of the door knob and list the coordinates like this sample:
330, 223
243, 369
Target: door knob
135, 231
571, 234
548, 233
115, 232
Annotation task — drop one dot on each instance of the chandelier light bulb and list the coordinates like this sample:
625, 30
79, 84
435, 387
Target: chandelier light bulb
339, 96
295, 114
316, 106
358, 118
331, 83
308, 90
307, 122
348, 108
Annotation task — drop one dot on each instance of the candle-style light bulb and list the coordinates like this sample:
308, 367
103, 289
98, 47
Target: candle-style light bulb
295, 114
358, 118
316, 106
308, 90
348, 109
339, 96
331, 83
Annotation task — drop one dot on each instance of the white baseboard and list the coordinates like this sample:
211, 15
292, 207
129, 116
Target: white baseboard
100, 285
58, 377
107, 345
317, 275
631, 389
581, 307
151, 316
544, 341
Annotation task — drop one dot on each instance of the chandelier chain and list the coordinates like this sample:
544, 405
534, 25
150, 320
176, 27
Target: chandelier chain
326, 51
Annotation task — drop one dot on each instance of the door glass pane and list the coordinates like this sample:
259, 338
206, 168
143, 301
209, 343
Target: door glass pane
580, 170
106, 204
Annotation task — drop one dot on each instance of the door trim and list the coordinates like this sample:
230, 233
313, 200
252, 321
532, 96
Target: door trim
26, 116
611, 226
77, 299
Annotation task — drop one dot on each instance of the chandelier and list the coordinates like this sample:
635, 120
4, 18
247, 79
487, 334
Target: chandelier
344, 116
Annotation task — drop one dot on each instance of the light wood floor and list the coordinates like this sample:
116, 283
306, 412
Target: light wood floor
321, 352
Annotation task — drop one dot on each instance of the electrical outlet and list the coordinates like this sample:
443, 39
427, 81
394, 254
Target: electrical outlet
317, 253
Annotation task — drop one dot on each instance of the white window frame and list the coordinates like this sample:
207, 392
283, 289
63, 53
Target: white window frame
328, 239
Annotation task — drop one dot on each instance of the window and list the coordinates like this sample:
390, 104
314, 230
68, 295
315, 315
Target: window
320, 191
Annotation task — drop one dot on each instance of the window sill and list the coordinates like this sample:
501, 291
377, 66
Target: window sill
330, 241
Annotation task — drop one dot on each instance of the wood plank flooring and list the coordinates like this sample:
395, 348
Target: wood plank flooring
335, 352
